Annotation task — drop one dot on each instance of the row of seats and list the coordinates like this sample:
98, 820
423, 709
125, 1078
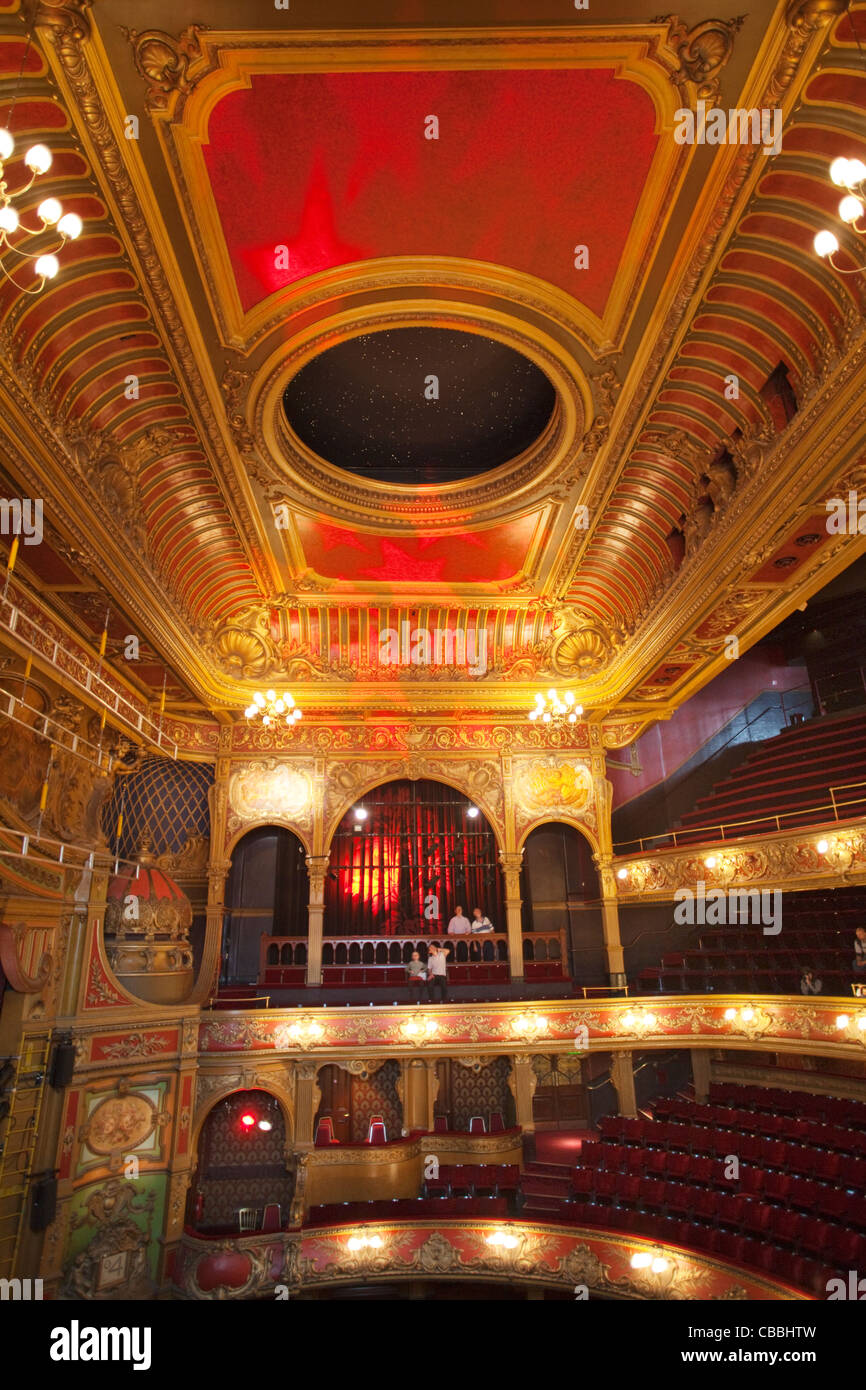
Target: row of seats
406, 1209
765, 1154
473, 1180
831, 1109
801, 1271
681, 1127
703, 1188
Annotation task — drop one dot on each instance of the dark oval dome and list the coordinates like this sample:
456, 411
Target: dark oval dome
419, 405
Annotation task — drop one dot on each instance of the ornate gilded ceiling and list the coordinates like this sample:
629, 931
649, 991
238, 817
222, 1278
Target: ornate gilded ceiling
255, 198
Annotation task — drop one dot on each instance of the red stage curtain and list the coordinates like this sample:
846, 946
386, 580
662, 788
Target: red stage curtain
417, 841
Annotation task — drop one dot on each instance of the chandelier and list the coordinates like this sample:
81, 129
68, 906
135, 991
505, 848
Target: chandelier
554, 708
849, 174
271, 707
50, 213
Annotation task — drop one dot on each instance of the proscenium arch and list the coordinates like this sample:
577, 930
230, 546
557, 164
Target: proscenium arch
497, 829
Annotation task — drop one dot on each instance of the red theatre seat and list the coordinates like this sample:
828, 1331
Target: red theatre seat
440, 1124
497, 1124
477, 1125
271, 1219
377, 1134
325, 1132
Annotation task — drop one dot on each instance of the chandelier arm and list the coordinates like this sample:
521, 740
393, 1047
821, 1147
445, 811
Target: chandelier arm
21, 288
860, 270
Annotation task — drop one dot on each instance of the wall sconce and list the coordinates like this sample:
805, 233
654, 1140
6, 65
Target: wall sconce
641, 1022
529, 1026
622, 873
853, 1026
364, 1243
417, 1029
654, 1261
822, 846
503, 1240
305, 1033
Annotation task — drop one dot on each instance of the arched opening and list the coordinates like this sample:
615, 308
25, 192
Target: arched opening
562, 923
474, 1096
416, 851
243, 1181
353, 1099
266, 919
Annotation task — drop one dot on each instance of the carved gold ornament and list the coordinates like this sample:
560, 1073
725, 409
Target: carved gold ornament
269, 789
563, 786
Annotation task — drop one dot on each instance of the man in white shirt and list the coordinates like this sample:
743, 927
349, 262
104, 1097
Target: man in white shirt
437, 966
479, 921
459, 925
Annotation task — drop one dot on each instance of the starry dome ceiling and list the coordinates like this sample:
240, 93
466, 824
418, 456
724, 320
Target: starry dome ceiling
419, 405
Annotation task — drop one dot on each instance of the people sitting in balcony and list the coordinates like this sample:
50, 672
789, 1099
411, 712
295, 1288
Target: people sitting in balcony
437, 972
459, 925
859, 962
809, 982
479, 925
480, 922
416, 969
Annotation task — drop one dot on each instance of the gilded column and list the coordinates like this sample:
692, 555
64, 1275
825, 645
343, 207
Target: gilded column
511, 862
622, 1076
218, 867
604, 862
522, 1082
317, 865
306, 1102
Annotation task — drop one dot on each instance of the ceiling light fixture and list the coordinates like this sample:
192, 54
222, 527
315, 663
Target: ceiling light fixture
49, 212
557, 709
270, 708
849, 174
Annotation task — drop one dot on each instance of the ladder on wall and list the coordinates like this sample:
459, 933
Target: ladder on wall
17, 1141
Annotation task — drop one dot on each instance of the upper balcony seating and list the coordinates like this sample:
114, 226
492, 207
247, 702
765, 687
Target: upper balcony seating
787, 776
817, 930
407, 1209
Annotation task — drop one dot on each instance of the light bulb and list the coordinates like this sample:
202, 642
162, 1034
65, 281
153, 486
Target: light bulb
839, 172
533, 714
279, 706
250, 711
572, 719
38, 158
296, 714
545, 719
842, 1021
856, 172
822, 846
850, 209
70, 226
730, 1015
47, 267
266, 719
641, 1260
659, 1265
710, 861
539, 699
272, 694
825, 244
50, 211
8, 219
7, 144
622, 873
259, 698
551, 694
569, 697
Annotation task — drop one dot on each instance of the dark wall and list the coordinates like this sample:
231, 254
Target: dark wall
267, 895
648, 932
559, 888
